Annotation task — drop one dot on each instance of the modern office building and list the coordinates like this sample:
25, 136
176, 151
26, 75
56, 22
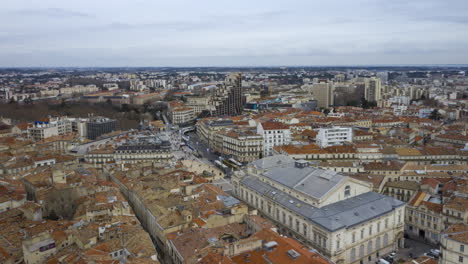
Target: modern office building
98, 126
334, 136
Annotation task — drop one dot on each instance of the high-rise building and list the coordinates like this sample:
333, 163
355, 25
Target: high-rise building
372, 89
227, 99
383, 76
323, 93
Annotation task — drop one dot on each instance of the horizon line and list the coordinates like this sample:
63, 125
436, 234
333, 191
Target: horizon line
242, 66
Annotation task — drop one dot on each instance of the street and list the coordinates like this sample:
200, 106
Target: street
201, 147
188, 153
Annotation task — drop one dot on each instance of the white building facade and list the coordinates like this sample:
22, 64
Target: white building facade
274, 134
334, 136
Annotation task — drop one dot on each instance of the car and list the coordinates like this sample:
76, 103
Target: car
382, 261
389, 259
429, 254
435, 251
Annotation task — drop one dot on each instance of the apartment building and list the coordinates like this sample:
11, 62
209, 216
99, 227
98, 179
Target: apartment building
428, 215
337, 215
274, 134
207, 128
198, 103
181, 115
49, 128
373, 89
242, 145
145, 149
227, 99
323, 93
79, 89
454, 245
334, 136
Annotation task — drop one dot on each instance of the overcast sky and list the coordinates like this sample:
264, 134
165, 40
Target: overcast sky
232, 33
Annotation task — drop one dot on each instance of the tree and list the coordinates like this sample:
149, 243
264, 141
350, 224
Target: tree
125, 108
27, 100
367, 104
435, 115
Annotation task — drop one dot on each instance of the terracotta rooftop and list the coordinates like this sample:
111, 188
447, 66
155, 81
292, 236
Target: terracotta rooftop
274, 126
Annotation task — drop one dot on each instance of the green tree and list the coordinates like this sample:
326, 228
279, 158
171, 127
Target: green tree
435, 115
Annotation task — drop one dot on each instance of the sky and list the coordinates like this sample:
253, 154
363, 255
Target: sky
133, 33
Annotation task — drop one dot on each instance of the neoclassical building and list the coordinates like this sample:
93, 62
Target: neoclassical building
337, 215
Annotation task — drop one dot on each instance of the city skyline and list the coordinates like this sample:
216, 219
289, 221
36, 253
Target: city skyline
264, 33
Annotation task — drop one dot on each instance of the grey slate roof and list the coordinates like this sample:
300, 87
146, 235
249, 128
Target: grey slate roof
343, 214
314, 182
228, 201
273, 162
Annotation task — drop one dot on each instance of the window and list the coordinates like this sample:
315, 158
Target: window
353, 254
338, 245
386, 223
304, 229
460, 259
362, 233
462, 248
297, 225
378, 227
370, 230
290, 221
347, 191
353, 238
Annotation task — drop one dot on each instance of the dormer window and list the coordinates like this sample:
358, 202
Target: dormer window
347, 191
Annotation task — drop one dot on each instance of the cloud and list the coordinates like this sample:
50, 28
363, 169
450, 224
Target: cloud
159, 33
52, 12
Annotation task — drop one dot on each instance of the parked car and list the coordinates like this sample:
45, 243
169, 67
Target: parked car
382, 261
389, 259
430, 254
435, 252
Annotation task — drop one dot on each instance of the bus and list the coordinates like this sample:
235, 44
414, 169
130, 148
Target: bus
235, 162
220, 165
230, 164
